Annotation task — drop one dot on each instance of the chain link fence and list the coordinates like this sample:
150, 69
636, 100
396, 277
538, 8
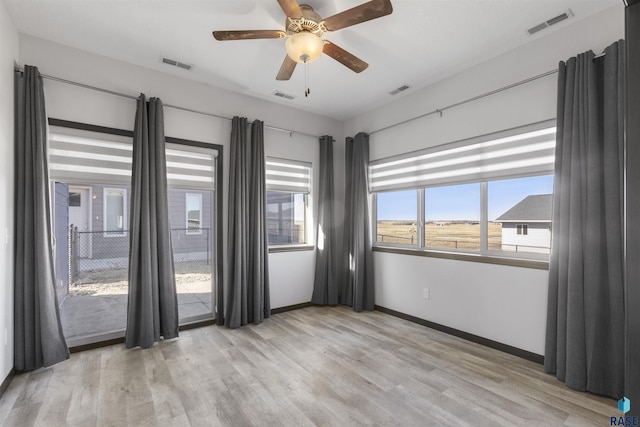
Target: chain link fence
96, 256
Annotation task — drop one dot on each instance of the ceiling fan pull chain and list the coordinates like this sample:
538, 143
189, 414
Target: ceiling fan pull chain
307, 91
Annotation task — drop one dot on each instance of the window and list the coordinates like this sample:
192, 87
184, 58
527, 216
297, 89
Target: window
397, 217
288, 188
193, 214
489, 195
115, 211
75, 199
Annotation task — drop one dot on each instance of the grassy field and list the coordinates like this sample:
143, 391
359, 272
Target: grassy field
440, 235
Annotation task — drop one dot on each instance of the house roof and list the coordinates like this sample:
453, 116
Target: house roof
535, 208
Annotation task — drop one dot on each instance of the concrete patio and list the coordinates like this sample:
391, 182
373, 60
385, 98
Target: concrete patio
99, 316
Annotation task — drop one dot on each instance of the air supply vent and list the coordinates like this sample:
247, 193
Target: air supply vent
400, 89
566, 15
283, 95
177, 64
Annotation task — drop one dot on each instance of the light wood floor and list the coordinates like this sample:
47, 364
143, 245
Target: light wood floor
314, 366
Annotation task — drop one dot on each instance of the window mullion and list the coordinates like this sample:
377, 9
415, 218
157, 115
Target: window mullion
484, 220
421, 224
374, 217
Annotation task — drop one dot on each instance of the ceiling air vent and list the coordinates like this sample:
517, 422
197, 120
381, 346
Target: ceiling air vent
177, 64
283, 95
566, 15
398, 90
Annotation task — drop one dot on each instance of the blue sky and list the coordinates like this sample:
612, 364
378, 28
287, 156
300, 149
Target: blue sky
461, 202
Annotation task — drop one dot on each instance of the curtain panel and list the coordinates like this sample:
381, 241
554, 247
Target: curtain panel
247, 293
152, 310
585, 319
39, 340
357, 288
325, 286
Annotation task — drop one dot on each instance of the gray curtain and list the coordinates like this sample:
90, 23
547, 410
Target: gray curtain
152, 310
247, 298
357, 289
39, 340
325, 286
585, 319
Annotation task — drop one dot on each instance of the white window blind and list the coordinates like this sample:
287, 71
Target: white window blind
96, 157
516, 152
190, 167
91, 157
288, 175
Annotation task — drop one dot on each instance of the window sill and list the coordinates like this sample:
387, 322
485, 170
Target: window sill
486, 259
290, 248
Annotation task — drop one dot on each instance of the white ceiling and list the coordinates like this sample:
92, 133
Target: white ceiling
421, 42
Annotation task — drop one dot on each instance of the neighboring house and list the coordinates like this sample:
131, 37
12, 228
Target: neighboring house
526, 227
100, 217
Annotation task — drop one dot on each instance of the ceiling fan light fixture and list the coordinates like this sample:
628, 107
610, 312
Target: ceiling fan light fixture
304, 47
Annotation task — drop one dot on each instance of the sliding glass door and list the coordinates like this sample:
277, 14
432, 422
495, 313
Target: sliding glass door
91, 173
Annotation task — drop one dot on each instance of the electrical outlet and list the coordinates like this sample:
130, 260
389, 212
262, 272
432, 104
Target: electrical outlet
425, 293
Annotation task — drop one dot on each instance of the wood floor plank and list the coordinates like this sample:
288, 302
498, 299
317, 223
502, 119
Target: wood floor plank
323, 366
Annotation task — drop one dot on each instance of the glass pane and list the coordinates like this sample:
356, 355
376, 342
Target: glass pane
397, 220
115, 210
452, 217
91, 264
286, 217
192, 250
520, 214
75, 199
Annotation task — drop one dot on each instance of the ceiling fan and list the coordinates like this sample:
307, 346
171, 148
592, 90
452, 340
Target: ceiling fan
304, 29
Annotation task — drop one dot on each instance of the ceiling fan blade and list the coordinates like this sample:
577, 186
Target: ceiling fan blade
365, 12
291, 8
248, 34
344, 57
286, 70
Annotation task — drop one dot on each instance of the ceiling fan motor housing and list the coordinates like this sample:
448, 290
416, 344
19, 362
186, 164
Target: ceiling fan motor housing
310, 22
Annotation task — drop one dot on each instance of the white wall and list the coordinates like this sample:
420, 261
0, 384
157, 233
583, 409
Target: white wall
78, 104
505, 304
8, 55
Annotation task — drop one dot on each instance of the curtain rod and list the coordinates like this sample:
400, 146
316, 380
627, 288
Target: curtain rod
466, 101
475, 98
175, 107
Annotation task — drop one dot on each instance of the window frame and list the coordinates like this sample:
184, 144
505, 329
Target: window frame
307, 193
123, 191
484, 225
522, 229
395, 173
